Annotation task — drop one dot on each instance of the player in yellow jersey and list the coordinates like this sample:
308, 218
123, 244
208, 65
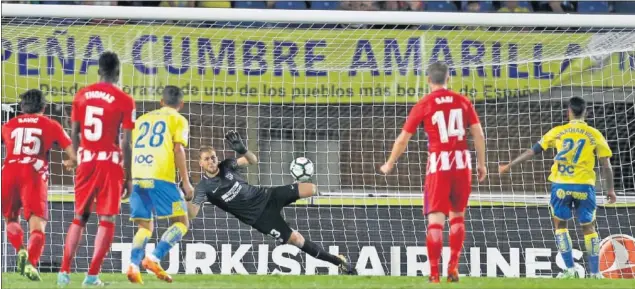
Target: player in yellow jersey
160, 138
573, 182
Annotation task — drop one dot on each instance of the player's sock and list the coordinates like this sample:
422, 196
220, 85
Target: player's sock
171, 236
457, 236
15, 235
73, 236
592, 245
318, 252
565, 246
434, 242
139, 245
103, 240
35, 247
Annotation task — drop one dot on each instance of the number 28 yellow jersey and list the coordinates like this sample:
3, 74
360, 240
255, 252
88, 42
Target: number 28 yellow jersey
577, 145
153, 138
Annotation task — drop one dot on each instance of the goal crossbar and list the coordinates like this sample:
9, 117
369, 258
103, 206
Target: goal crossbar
319, 16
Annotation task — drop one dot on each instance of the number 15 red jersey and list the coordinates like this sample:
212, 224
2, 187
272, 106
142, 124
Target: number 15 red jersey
101, 109
445, 115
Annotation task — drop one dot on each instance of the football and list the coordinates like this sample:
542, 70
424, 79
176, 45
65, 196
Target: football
302, 169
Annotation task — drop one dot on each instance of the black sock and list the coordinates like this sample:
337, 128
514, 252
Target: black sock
318, 252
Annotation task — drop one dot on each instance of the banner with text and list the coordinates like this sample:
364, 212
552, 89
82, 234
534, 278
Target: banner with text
376, 242
303, 66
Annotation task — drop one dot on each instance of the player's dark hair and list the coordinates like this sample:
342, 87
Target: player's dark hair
577, 105
438, 73
109, 66
172, 96
205, 149
32, 101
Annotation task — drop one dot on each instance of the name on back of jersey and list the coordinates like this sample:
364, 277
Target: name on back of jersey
444, 99
28, 120
100, 95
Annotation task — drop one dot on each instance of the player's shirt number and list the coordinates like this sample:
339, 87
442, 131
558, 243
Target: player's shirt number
454, 126
27, 141
568, 144
93, 126
155, 134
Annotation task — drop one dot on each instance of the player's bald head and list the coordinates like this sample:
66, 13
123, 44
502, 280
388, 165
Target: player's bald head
577, 106
172, 96
438, 73
32, 101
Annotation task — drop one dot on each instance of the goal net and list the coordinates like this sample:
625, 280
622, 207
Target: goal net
336, 87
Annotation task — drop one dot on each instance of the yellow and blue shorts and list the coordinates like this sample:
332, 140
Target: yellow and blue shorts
566, 197
155, 197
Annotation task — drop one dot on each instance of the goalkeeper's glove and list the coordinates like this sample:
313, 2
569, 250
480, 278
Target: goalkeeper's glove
236, 142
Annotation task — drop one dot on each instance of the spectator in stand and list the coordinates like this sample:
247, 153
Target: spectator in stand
473, 7
360, 5
177, 3
214, 4
513, 7
558, 6
99, 2
403, 5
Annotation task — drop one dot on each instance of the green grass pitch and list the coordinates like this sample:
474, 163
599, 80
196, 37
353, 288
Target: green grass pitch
12, 280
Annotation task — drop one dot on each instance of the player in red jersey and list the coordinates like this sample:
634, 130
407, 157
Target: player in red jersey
445, 115
28, 139
99, 112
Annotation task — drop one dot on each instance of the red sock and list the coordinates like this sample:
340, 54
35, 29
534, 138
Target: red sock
457, 236
73, 237
434, 242
15, 235
103, 240
35, 247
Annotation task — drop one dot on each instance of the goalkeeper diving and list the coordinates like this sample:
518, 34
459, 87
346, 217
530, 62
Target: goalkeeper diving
223, 185
573, 182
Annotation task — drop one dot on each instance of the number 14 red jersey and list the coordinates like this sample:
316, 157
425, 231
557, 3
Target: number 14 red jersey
445, 115
101, 109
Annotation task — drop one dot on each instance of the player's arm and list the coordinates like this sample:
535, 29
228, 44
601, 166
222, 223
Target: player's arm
401, 143
129, 116
195, 205
181, 136
247, 158
476, 130
545, 143
604, 154
65, 142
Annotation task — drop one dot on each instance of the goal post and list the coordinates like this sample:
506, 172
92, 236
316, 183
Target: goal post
336, 87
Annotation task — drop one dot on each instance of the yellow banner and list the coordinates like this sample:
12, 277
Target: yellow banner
300, 66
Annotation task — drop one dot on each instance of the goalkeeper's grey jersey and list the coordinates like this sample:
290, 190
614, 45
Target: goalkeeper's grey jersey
229, 191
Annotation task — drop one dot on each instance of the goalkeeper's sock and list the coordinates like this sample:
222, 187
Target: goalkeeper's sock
35, 246
457, 236
103, 240
318, 252
565, 246
139, 245
434, 242
15, 235
171, 236
592, 245
73, 236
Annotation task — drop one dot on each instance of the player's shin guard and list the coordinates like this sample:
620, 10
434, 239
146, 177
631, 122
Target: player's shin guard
457, 236
319, 253
565, 246
103, 240
15, 235
35, 247
171, 236
73, 236
139, 245
592, 246
434, 242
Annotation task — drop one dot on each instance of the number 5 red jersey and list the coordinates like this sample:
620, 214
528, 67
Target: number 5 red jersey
102, 109
29, 137
445, 115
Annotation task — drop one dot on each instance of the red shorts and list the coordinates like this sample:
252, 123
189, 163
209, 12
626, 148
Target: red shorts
98, 183
23, 188
447, 191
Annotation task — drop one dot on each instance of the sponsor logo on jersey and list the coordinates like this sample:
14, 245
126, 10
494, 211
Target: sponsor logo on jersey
617, 257
229, 176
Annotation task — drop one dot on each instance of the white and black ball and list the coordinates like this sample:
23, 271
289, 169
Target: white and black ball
302, 169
